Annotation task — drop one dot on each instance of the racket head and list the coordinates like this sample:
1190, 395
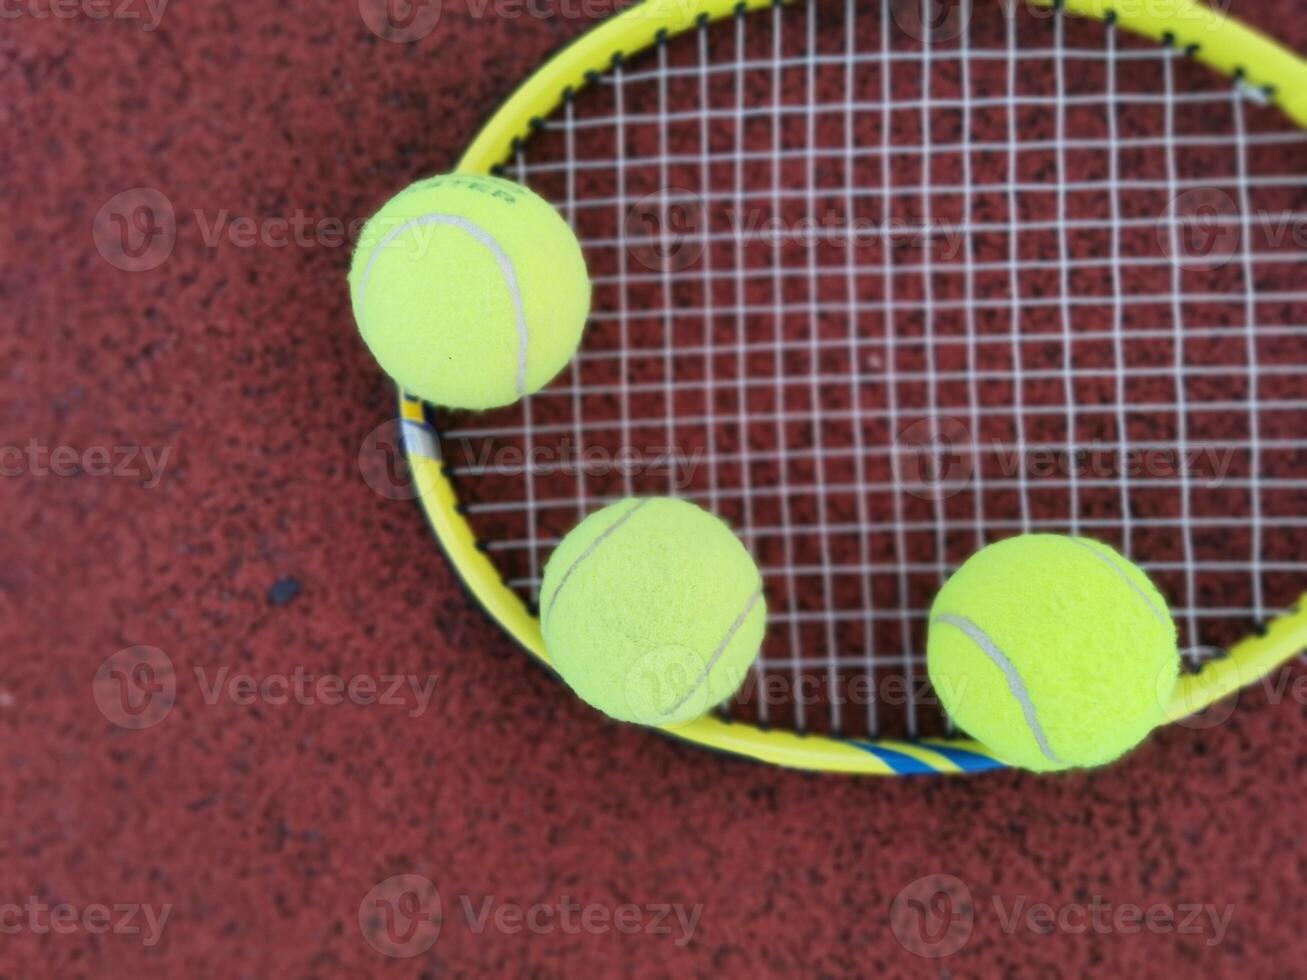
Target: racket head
1261, 69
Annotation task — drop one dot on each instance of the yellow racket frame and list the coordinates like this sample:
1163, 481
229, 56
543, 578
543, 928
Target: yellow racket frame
1221, 42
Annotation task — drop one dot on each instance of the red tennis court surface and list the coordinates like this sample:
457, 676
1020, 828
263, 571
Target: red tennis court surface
207, 399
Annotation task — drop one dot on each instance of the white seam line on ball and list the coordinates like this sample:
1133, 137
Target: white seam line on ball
1106, 560
1014, 682
590, 548
717, 654
501, 257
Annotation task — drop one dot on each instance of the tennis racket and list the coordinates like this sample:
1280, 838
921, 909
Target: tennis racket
881, 283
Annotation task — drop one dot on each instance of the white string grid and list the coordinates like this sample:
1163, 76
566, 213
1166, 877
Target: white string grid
880, 292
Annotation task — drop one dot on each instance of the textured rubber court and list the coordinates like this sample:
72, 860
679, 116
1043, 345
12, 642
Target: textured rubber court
263, 550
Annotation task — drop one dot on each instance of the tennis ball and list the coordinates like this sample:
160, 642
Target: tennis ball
652, 611
1049, 650
470, 291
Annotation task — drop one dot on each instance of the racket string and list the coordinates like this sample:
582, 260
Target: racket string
869, 411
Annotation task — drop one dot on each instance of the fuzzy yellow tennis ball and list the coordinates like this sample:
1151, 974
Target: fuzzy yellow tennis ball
1054, 652
652, 611
470, 291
